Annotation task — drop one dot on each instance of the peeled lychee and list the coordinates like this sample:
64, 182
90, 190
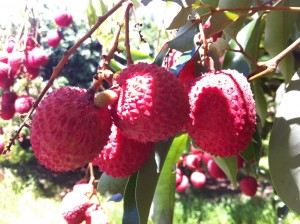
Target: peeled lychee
214, 170
8, 99
53, 38
152, 105
198, 179
96, 215
23, 103
183, 185
36, 57
73, 207
67, 130
222, 112
248, 186
64, 19
121, 156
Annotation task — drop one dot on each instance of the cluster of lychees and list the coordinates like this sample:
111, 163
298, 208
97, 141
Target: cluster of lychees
195, 167
77, 206
70, 130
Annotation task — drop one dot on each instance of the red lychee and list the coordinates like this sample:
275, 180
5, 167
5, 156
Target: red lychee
248, 186
223, 115
179, 175
8, 105
37, 57
10, 44
23, 103
206, 157
30, 42
198, 179
3, 56
192, 162
53, 38
96, 215
183, 185
73, 207
6, 80
31, 73
214, 170
121, 156
152, 105
15, 60
67, 130
64, 19
2, 144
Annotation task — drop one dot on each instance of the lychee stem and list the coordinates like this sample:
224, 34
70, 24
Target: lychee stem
127, 44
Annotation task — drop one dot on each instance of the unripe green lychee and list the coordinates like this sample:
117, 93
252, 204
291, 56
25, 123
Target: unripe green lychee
67, 130
222, 115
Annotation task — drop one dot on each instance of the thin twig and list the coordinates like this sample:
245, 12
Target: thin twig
127, 40
58, 68
270, 66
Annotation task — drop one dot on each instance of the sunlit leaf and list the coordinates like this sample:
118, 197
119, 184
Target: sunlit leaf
130, 214
111, 185
260, 101
284, 153
181, 18
229, 166
91, 13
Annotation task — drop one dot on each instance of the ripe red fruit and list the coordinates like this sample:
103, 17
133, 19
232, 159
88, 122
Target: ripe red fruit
67, 130
2, 144
3, 56
73, 207
96, 215
23, 103
6, 80
192, 162
86, 189
8, 105
222, 112
179, 175
53, 38
10, 44
121, 156
15, 60
198, 179
31, 73
206, 157
36, 57
64, 19
248, 186
152, 105
30, 42
183, 185
214, 170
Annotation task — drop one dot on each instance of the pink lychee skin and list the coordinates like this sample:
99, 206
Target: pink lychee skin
6, 80
73, 207
198, 179
183, 185
248, 186
23, 103
152, 105
223, 115
64, 19
67, 130
36, 57
214, 170
53, 38
8, 99
121, 157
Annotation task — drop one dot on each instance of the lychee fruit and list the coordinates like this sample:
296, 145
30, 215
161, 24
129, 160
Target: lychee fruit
96, 215
206, 157
30, 43
248, 186
53, 38
223, 115
73, 207
179, 174
121, 156
152, 105
8, 105
64, 19
31, 73
10, 44
15, 60
23, 103
67, 130
192, 162
37, 57
84, 188
214, 170
183, 185
6, 80
198, 179
3, 56
2, 144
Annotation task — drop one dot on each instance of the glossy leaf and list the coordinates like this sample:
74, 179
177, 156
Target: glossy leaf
130, 214
229, 166
136, 54
181, 18
260, 101
111, 185
284, 154
279, 25
161, 55
91, 13
164, 197
148, 177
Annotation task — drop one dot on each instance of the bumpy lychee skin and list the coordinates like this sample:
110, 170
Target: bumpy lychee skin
67, 130
152, 105
223, 115
23, 103
53, 38
248, 186
74, 206
121, 156
63, 19
36, 57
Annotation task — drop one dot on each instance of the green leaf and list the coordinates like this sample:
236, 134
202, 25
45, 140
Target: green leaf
136, 55
181, 18
260, 101
164, 197
184, 40
279, 26
130, 214
115, 65
91, 13
229, 166
161, 55
148, 177
284, 154
111, 185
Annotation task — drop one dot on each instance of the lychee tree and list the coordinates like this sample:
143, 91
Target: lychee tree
205, 89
